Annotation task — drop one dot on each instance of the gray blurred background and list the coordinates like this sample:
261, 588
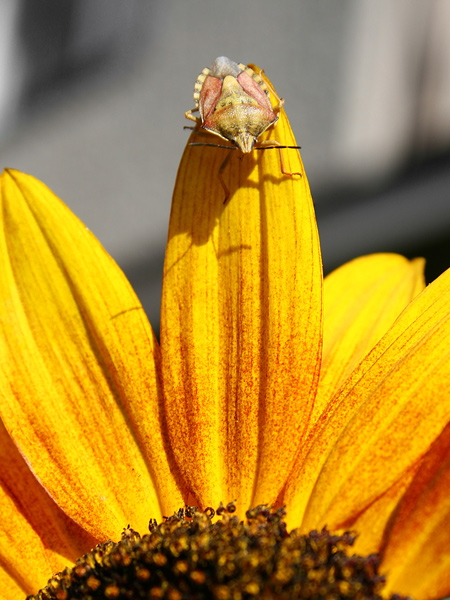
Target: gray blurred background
93, 95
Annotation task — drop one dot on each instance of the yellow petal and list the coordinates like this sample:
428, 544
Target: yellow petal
382, 421
241, 320
9, 586
362, 299
36, 538
372, 520
416, 556
79, 385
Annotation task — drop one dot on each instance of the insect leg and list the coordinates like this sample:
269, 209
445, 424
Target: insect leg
276, 109
274, 144
283, 170
188, 114
222, 182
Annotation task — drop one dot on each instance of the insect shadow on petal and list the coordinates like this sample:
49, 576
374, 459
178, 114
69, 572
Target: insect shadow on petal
233, 102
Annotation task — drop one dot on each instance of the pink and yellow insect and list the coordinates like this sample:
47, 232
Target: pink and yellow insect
234, 103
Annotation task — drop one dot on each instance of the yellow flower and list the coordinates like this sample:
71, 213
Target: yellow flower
247, 397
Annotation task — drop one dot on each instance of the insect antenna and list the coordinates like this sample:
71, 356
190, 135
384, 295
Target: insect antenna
276, 147
234, 148
213, 145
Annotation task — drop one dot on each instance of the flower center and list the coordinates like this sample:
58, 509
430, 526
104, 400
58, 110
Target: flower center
193, 555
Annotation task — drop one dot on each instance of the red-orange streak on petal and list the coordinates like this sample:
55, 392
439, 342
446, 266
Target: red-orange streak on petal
362, 299
417, 546
382, 421
36, 538
79, 381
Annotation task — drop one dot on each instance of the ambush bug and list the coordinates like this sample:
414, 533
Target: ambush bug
233, 102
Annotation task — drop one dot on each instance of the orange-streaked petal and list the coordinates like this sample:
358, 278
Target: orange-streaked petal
79, 385
362, 299
382, 421
11, 590
372, 520
241, 320
36, 538
416, 557
403, 406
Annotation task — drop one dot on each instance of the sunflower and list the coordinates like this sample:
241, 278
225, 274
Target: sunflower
270, 386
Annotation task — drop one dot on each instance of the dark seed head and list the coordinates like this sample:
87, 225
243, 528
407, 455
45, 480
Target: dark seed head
188, 556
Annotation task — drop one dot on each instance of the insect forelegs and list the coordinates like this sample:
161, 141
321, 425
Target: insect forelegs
276, 109
266, 144
188, 114
220, 175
